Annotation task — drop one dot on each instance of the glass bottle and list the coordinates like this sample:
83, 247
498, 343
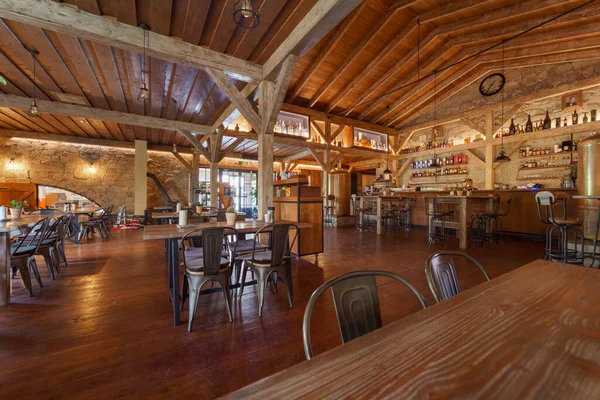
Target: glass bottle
547, 121
585, 118
575, 117
529, 124
565, 121
512, 129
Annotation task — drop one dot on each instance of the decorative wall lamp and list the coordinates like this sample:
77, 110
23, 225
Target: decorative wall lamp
92, 169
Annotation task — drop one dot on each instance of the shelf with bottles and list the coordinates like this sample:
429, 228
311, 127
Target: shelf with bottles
542, 177
427, 146
292, 124
370, 139
436, 183
546, 123
430, 175
456, 159
552, 154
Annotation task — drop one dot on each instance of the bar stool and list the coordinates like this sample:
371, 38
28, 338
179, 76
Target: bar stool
390, 220
328, 209
404, 215
562, 227
362, 221
482, 221
495, 223
436, 216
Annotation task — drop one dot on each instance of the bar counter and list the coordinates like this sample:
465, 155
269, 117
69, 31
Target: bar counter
523, 217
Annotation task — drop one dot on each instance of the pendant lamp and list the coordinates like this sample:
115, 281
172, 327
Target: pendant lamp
435, 163
34, 110
144, 95
502, 156
245, 14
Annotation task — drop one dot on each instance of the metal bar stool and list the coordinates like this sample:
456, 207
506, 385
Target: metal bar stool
436, 220
328, 209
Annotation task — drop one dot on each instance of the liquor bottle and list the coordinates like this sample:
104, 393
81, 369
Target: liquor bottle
535, 126
565, 121
512, 129
541, 125
547, 121
529, 124
593, 115
575, 117
585, 119
557, 122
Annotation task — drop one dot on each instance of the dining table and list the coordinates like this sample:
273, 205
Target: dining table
530, 333
8, 229
172, 234
461, 208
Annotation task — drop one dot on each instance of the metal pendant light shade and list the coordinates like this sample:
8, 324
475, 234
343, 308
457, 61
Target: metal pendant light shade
502, 156
144, 94
245, 14
34, 110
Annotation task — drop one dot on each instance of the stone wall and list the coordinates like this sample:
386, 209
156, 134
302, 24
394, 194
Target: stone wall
68, 166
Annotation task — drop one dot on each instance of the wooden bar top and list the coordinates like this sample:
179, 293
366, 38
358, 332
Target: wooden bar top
152, 232
531, 333
23, 222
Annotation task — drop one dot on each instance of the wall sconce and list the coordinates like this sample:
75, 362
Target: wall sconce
92, 169
11, 165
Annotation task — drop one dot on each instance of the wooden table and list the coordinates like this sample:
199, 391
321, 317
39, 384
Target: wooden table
531, 333
461, 225
163, 208
6, 227
171, 235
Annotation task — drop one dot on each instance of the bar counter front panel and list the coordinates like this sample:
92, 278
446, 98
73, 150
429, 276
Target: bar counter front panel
523, 217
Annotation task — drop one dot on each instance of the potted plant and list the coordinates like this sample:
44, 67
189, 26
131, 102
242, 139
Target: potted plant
16, 208
254, 194
231, 216
460, 191
75, 204
199, 207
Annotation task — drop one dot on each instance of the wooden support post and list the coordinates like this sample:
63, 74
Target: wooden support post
140, 178
266, 91
194, 178
489, 151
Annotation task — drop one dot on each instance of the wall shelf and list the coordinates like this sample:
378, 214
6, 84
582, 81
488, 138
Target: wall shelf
564, 153
439, 176
551, 167
541, 178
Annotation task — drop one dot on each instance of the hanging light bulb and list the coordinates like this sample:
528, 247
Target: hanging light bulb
435, 163
244, 14
502, 156
387, 173
144, 95
34, 110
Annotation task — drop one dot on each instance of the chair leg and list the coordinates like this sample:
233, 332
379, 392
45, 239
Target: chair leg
24, 272
224, 281
33, 267
61, 252
287, 279
55, 257
184, 290
262, 275
243, 281
195, 283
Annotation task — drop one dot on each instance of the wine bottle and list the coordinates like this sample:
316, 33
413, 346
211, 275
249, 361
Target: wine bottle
512, 129
529, 124
575, 117
565, 121
547, 121
585, 119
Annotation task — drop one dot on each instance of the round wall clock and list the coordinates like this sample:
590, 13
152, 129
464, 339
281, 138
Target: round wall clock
492, 84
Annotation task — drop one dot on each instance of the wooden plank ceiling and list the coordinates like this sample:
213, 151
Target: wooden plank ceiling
372, 52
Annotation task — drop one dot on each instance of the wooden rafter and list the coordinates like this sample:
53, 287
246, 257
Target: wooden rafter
197, 145
74, 22
182, 160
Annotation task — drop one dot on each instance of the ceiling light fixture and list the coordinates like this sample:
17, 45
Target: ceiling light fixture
144, 94
387, 173
244, 14
502, 156
435, 163
34, 110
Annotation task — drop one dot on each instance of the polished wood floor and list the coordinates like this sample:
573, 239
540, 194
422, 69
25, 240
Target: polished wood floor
103, 328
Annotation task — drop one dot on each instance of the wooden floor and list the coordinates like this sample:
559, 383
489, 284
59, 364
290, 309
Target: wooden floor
103, 328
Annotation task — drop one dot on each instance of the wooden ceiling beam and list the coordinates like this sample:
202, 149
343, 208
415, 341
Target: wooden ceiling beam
439, 34
347, 24
71, 21
349, 60
298, 156
231, 112
72, 110
318, 22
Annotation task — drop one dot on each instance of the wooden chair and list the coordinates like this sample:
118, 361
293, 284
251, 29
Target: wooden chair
348, 290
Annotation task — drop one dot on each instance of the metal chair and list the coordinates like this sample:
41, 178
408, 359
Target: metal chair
210, 267
22, 254
356, 304
435, 216
441, 274
270, 262
563, 226
404, 216
481, 233
495, 223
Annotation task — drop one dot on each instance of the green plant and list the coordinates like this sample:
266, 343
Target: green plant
254, 194
74, 201
230, 209
198, 204
18, 203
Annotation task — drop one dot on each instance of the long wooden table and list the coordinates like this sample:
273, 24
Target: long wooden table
6, 228
531, 333
171, 235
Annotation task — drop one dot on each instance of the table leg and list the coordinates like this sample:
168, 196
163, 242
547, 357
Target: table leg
4, 268
378, 203
173, 249
462, 223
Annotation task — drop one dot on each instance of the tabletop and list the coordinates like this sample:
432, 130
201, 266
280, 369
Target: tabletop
23, 222
152, 232
530, 333
163, 215
474, 197
583, 197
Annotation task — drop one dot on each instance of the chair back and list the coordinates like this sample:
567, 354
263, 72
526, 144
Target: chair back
441, 274
544, 201
32, 238
426, 202
213, 242
356, 304
508, 204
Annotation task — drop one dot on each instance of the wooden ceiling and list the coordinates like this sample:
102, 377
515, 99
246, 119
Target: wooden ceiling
372, 52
